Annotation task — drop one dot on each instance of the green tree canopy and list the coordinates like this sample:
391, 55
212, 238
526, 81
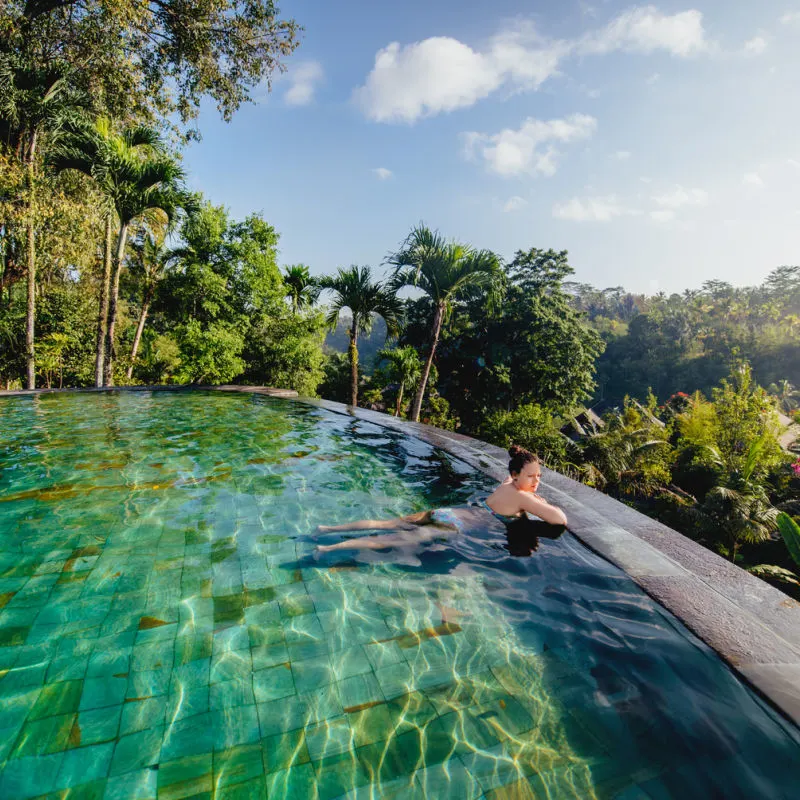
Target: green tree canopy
532, 347
157, 57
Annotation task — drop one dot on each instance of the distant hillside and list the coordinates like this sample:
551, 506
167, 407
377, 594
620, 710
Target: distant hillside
368, 346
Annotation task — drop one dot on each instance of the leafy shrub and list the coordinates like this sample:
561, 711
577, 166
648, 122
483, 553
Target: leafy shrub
529, 426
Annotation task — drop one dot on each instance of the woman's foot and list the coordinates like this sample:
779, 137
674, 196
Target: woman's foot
323, 548
323, 529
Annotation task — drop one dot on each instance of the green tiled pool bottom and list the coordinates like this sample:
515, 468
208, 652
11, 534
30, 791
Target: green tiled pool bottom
318, 686
165, 631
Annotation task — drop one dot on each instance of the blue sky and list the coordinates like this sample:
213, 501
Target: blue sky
657, 143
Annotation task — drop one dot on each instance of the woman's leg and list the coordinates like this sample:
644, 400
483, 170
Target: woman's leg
371, 542
400, 523
413, 535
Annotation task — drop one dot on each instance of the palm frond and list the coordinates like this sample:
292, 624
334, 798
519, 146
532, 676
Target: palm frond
774, 572
354, 288
753, 455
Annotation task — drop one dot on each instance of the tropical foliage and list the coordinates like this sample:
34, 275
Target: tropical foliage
404, 367
686, 341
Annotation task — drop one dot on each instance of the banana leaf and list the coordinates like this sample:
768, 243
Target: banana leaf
790, 531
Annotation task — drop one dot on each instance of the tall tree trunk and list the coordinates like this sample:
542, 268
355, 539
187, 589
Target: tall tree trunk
139, 328
399, 399
353, 351
416, 406
112, 306
30, 352
102, 318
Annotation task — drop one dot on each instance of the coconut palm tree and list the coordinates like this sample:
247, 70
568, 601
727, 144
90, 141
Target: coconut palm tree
354, 288
444, 271
137, 177
301, 288
405, 366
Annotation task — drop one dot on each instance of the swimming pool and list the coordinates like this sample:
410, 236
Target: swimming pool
165, 630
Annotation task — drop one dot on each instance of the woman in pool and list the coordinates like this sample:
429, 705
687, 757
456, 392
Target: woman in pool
509, 502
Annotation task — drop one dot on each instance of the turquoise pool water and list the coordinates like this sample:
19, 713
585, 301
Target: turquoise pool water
165, 631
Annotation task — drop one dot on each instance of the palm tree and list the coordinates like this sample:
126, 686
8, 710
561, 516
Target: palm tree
444, 271
738, 509
91, 147
406, 366
736, 515
153, 258
136, 176
33, 102
154, 184
353, 288
301, 288
627, 456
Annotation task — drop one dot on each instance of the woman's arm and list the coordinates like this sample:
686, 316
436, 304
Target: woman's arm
542, 509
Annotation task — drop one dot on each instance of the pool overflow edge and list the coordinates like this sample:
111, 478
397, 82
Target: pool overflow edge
753, 627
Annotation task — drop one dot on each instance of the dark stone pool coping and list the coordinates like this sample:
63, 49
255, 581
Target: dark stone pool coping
754, 627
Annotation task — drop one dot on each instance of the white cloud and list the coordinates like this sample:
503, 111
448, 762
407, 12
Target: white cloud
590, 209
646, 29
514, 203
792, 162
679, 197
609, 207
530, 149
664, 215
752, 179
304, 79
755, 46
441, 74
621, 155
382, 174
653, 78
790, 17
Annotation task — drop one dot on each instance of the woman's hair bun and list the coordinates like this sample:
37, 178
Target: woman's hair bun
519, 458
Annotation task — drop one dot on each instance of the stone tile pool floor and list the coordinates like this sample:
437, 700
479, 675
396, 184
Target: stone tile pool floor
294, 683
